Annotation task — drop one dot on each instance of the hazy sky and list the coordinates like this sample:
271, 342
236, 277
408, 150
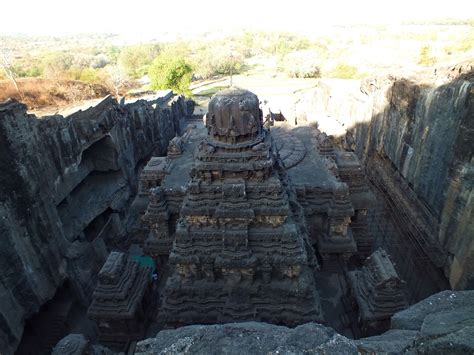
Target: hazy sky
151, 18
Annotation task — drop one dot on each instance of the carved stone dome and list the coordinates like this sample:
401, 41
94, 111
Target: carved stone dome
234, 116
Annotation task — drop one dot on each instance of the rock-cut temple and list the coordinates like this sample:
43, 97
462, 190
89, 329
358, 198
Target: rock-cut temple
241, 249
240, 219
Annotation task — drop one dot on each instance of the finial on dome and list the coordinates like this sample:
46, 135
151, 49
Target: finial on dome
234, 116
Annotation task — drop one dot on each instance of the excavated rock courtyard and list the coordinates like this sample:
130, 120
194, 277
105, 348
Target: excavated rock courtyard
340, 223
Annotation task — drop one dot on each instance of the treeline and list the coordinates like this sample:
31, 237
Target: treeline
175, 64
172, 64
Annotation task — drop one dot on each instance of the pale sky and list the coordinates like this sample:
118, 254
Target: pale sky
152, 18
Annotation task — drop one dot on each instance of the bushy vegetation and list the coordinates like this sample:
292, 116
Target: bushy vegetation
213, 62
209, 58
276, 43
90, 66
137, 59
301, 64
170, 72
345, 52
425, 57
466, 43
344, 71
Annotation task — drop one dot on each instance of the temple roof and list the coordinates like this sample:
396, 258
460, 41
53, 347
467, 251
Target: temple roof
122, 285
234, 112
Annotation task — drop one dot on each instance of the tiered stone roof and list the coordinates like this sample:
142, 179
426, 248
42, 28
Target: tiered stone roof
240, 252
377, 288
122, 285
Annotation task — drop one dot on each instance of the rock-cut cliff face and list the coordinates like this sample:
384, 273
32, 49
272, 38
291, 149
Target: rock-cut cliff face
427, 135
415, 138
65, 187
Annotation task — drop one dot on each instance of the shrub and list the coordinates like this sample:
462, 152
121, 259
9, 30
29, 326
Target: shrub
56, 64
214, 61
115, 78
74, 73
136, 59
34, 71
344, 71
112, 54
90, 75
425, 58
462, 45
281, 43
167, 72
301, 64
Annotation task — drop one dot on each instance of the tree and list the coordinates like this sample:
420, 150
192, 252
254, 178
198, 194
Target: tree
112, 54
56, 64
7, 66
217, 60
168, 72
116, 77
136, 59
301, 64
425, 57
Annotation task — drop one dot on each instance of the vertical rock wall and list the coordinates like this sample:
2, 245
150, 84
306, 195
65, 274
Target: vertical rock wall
426, 133
420, 135
65, 187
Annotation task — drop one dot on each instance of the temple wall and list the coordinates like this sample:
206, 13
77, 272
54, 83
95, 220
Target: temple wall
415, 136
65, 182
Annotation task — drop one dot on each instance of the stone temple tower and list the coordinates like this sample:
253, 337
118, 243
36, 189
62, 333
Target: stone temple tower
241, 249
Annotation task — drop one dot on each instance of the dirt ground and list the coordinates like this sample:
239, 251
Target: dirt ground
277, 89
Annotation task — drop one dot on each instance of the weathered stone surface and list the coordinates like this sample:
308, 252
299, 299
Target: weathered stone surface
456, 343
122, 301
331, 187
263, 338
377, 289
420, 134
248, 338
73, 344
78, 344
190, 105
391, 342
426, 314
241, 249
448, 321
50, 167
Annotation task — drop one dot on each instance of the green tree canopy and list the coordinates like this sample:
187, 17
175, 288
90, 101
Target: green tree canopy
136, 59
55, 64
170, 72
